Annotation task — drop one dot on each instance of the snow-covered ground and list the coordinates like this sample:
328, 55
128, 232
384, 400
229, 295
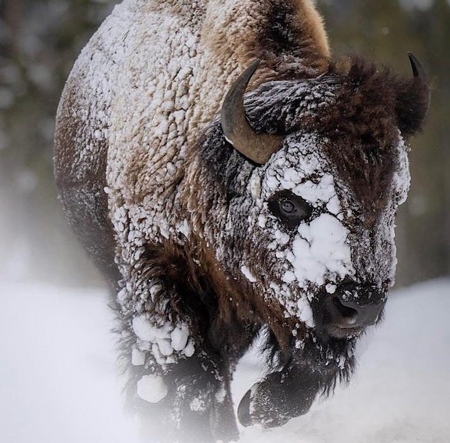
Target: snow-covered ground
59, 382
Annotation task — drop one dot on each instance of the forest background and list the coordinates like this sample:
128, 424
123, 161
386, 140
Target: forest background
39, 42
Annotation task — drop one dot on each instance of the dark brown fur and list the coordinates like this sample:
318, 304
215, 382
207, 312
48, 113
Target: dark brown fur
370, 106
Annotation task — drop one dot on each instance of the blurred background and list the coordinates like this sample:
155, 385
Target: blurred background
40, 40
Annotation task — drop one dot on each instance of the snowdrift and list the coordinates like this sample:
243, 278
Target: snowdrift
59, 380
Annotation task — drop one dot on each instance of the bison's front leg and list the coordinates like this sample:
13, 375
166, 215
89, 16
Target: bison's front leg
197, 405
202, 404
280, 396
179, 380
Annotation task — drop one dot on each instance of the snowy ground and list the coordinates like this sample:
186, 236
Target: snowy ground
58, 381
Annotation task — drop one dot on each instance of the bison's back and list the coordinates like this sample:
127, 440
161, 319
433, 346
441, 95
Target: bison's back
82, 141
122, 120
126, 117
136, 101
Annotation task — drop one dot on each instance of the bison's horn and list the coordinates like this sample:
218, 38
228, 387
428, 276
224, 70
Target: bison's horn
420, 74
257, 147
417, 68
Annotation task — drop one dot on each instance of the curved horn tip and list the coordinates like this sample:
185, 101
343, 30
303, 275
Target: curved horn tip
416, 66
257, 147
234, 100
252, 68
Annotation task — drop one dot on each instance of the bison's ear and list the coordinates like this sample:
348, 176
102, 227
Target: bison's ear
413, 100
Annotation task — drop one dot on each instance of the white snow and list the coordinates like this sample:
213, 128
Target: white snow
315, 193
189, 350
137, 357
145, 331
58, 379
58, 376
248, 274
331, 289
321, 250
151, 388
163, 341
305, 313
179, 337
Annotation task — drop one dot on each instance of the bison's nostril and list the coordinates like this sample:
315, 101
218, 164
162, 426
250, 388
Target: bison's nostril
349, 315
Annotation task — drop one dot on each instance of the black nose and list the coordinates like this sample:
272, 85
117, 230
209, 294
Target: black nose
355, 306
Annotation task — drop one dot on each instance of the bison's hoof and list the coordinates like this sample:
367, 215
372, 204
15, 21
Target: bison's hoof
274, 401
244, 410
257, 408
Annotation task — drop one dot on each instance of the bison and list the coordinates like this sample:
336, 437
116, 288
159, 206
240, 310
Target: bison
232, 180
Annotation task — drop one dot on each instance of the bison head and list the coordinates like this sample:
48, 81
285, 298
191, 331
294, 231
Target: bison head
309, 176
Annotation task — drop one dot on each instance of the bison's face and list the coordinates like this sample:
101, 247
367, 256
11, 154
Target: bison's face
311, 245
310, 231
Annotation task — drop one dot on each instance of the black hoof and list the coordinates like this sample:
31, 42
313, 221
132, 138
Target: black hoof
243, 411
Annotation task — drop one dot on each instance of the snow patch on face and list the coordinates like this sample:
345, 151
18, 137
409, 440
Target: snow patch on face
320, 252
321, 192
300, 169
152, 388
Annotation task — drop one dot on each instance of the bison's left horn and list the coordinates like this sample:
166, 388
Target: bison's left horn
420, 74
257, 147
417, 68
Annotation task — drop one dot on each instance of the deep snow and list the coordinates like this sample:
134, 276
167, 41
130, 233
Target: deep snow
59, 382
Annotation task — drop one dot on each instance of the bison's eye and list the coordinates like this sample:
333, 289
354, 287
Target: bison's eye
290, 209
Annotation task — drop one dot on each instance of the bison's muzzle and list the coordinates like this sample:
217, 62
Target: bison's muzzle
352, 308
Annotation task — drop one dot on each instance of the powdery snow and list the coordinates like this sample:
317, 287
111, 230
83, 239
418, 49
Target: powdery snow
59, 382
58, 376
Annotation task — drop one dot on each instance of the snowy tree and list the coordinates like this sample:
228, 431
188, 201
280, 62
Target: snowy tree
39, 41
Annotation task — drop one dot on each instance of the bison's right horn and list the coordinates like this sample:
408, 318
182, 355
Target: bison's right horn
257, 147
